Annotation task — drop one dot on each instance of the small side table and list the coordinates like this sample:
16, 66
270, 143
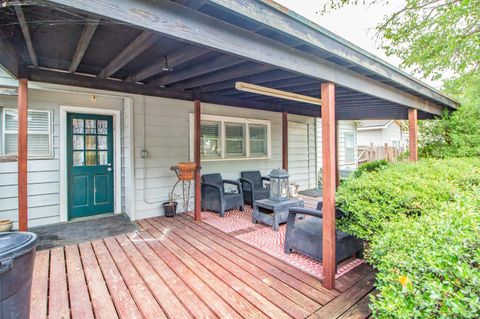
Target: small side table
273, 213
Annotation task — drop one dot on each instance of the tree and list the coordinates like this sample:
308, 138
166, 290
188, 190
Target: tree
432, 37
438, 39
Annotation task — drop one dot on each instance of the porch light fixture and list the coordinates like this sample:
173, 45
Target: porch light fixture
263, 90
166, 67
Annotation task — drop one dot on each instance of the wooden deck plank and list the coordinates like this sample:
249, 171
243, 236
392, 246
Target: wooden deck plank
172, 307
39, 296
352, 277
58, 306
262, 296
144, 299
188, 297
80, 306
252, 275
346, 300
230, 295
360, 310
281, 270
119, 292
102, 303
214, 301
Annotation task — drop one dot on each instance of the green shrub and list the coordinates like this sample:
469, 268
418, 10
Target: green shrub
374, 166
423, 225
429, 266
402, 190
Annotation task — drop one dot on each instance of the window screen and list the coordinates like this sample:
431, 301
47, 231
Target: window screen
234, 140
210, 139
258, 140
349, 148
39, 139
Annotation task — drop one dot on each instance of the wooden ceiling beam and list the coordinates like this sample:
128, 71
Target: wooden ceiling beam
181, 56
83, 43
135, 48
215, 64
26, 34
244, 69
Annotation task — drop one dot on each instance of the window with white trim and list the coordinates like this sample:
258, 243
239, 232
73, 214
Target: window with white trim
349, 147
39, 133
223, 137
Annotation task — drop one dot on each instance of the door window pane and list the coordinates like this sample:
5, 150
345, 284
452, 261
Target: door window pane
234, 140
90, 142
78, 142
90, 127
102, 127
102, 142
258, 140
210, 139
91, 158
102, 158
78, 158
77, 126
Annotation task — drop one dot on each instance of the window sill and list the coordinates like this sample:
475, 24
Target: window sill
234, 159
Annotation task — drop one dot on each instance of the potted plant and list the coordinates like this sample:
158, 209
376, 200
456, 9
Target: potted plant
170, 206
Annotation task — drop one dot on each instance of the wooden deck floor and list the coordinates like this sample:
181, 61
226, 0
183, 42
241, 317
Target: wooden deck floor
175, 268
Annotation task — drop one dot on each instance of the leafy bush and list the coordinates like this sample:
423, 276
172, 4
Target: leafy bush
402, 190
429, 266
422, 222
374, 166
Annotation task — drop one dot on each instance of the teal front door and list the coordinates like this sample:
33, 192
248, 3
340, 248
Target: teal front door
90, 165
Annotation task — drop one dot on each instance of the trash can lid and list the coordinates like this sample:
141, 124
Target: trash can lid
15, 244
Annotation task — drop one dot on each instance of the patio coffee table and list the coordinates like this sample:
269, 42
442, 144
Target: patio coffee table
273, 213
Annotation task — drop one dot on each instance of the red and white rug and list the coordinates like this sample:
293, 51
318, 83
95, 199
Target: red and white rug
270, 241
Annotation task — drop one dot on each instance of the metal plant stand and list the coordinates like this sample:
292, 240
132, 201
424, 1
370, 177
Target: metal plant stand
186, 180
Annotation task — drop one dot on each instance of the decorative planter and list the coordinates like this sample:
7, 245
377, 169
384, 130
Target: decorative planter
5, 225
186, 171
170, 208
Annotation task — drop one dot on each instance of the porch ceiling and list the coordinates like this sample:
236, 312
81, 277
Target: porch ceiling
64, 45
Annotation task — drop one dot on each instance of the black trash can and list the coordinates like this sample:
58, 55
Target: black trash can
17, 255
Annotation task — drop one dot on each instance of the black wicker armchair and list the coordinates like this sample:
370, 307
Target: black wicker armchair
305, 235
214, 196
253, 186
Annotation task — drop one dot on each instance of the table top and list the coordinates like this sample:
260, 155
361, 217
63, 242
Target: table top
270, 203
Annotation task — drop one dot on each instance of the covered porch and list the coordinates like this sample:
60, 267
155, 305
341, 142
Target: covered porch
197, 51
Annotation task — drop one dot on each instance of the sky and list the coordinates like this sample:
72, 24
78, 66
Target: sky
355, 23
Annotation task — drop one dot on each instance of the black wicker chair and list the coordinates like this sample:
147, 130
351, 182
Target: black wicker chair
305, 235
253, 186
214, 196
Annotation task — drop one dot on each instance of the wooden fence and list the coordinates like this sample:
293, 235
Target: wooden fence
373, 153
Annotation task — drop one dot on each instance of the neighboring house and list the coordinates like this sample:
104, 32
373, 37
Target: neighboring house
233, 139
381, 132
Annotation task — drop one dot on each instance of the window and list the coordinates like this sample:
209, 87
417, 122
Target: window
258, 140
210, 139
224, 137
234, 140
39, 133
349, 148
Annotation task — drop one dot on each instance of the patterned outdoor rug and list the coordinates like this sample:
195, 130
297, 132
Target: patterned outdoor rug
270, 241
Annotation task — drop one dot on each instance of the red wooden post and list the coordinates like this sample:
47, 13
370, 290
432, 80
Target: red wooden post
413, 134
22, 154
285, 140
196, 152
337, 160
328, 192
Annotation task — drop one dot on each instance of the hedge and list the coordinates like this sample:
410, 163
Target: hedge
422, 222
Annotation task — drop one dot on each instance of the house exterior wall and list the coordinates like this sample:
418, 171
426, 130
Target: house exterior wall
380, 136
161, 127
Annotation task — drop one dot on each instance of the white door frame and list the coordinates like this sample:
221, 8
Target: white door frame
117, 162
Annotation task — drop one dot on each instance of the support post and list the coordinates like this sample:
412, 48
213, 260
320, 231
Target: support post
328, 191
413, 134
22, 154
285, 140
337, 160
196, 151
